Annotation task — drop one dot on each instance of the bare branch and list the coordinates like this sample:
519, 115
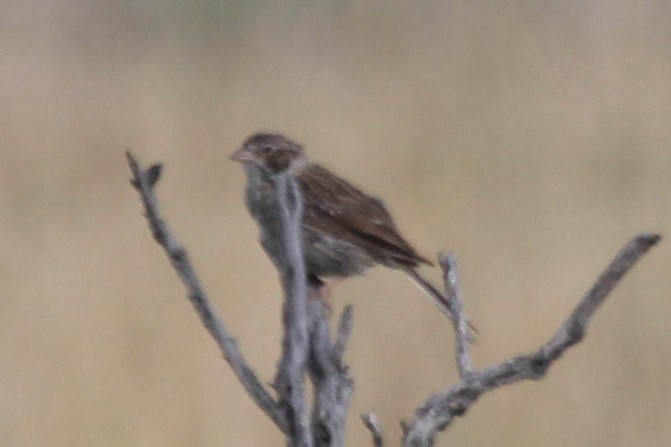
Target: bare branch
448, 263
439, 410
372, 424
307, 342
333, 387
292, 364
573, 330
144, 181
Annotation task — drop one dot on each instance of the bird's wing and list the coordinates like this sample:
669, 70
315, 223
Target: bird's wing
338, 209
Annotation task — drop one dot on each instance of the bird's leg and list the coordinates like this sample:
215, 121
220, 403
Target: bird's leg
318, 290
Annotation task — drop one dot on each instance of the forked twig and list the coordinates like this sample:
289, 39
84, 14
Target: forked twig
439, 410
144, 181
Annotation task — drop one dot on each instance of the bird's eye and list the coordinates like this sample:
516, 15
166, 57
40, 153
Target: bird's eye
265, 150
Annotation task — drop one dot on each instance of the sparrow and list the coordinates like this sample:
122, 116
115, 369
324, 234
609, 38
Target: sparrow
344, 231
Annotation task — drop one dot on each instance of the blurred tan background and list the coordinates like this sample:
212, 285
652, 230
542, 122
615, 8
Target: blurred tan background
531, 138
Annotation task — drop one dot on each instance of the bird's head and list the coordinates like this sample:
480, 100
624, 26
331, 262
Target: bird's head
272, 153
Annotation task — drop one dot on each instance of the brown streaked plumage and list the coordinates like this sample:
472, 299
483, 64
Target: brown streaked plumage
344, 230
335, 207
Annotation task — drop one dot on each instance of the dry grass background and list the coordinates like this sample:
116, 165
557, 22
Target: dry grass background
532, 138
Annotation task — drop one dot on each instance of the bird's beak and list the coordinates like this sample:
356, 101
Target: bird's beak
243, 155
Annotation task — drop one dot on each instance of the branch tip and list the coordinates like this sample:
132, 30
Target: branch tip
370, 421
153, 174
649, 239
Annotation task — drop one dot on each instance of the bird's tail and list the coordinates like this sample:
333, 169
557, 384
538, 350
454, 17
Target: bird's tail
434, 295
431, 292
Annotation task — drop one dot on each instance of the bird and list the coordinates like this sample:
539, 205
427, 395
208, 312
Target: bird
344, 231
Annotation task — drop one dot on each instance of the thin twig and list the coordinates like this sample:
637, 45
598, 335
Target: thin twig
439, 410
144, 181
372, 424
448, 264
343, 332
